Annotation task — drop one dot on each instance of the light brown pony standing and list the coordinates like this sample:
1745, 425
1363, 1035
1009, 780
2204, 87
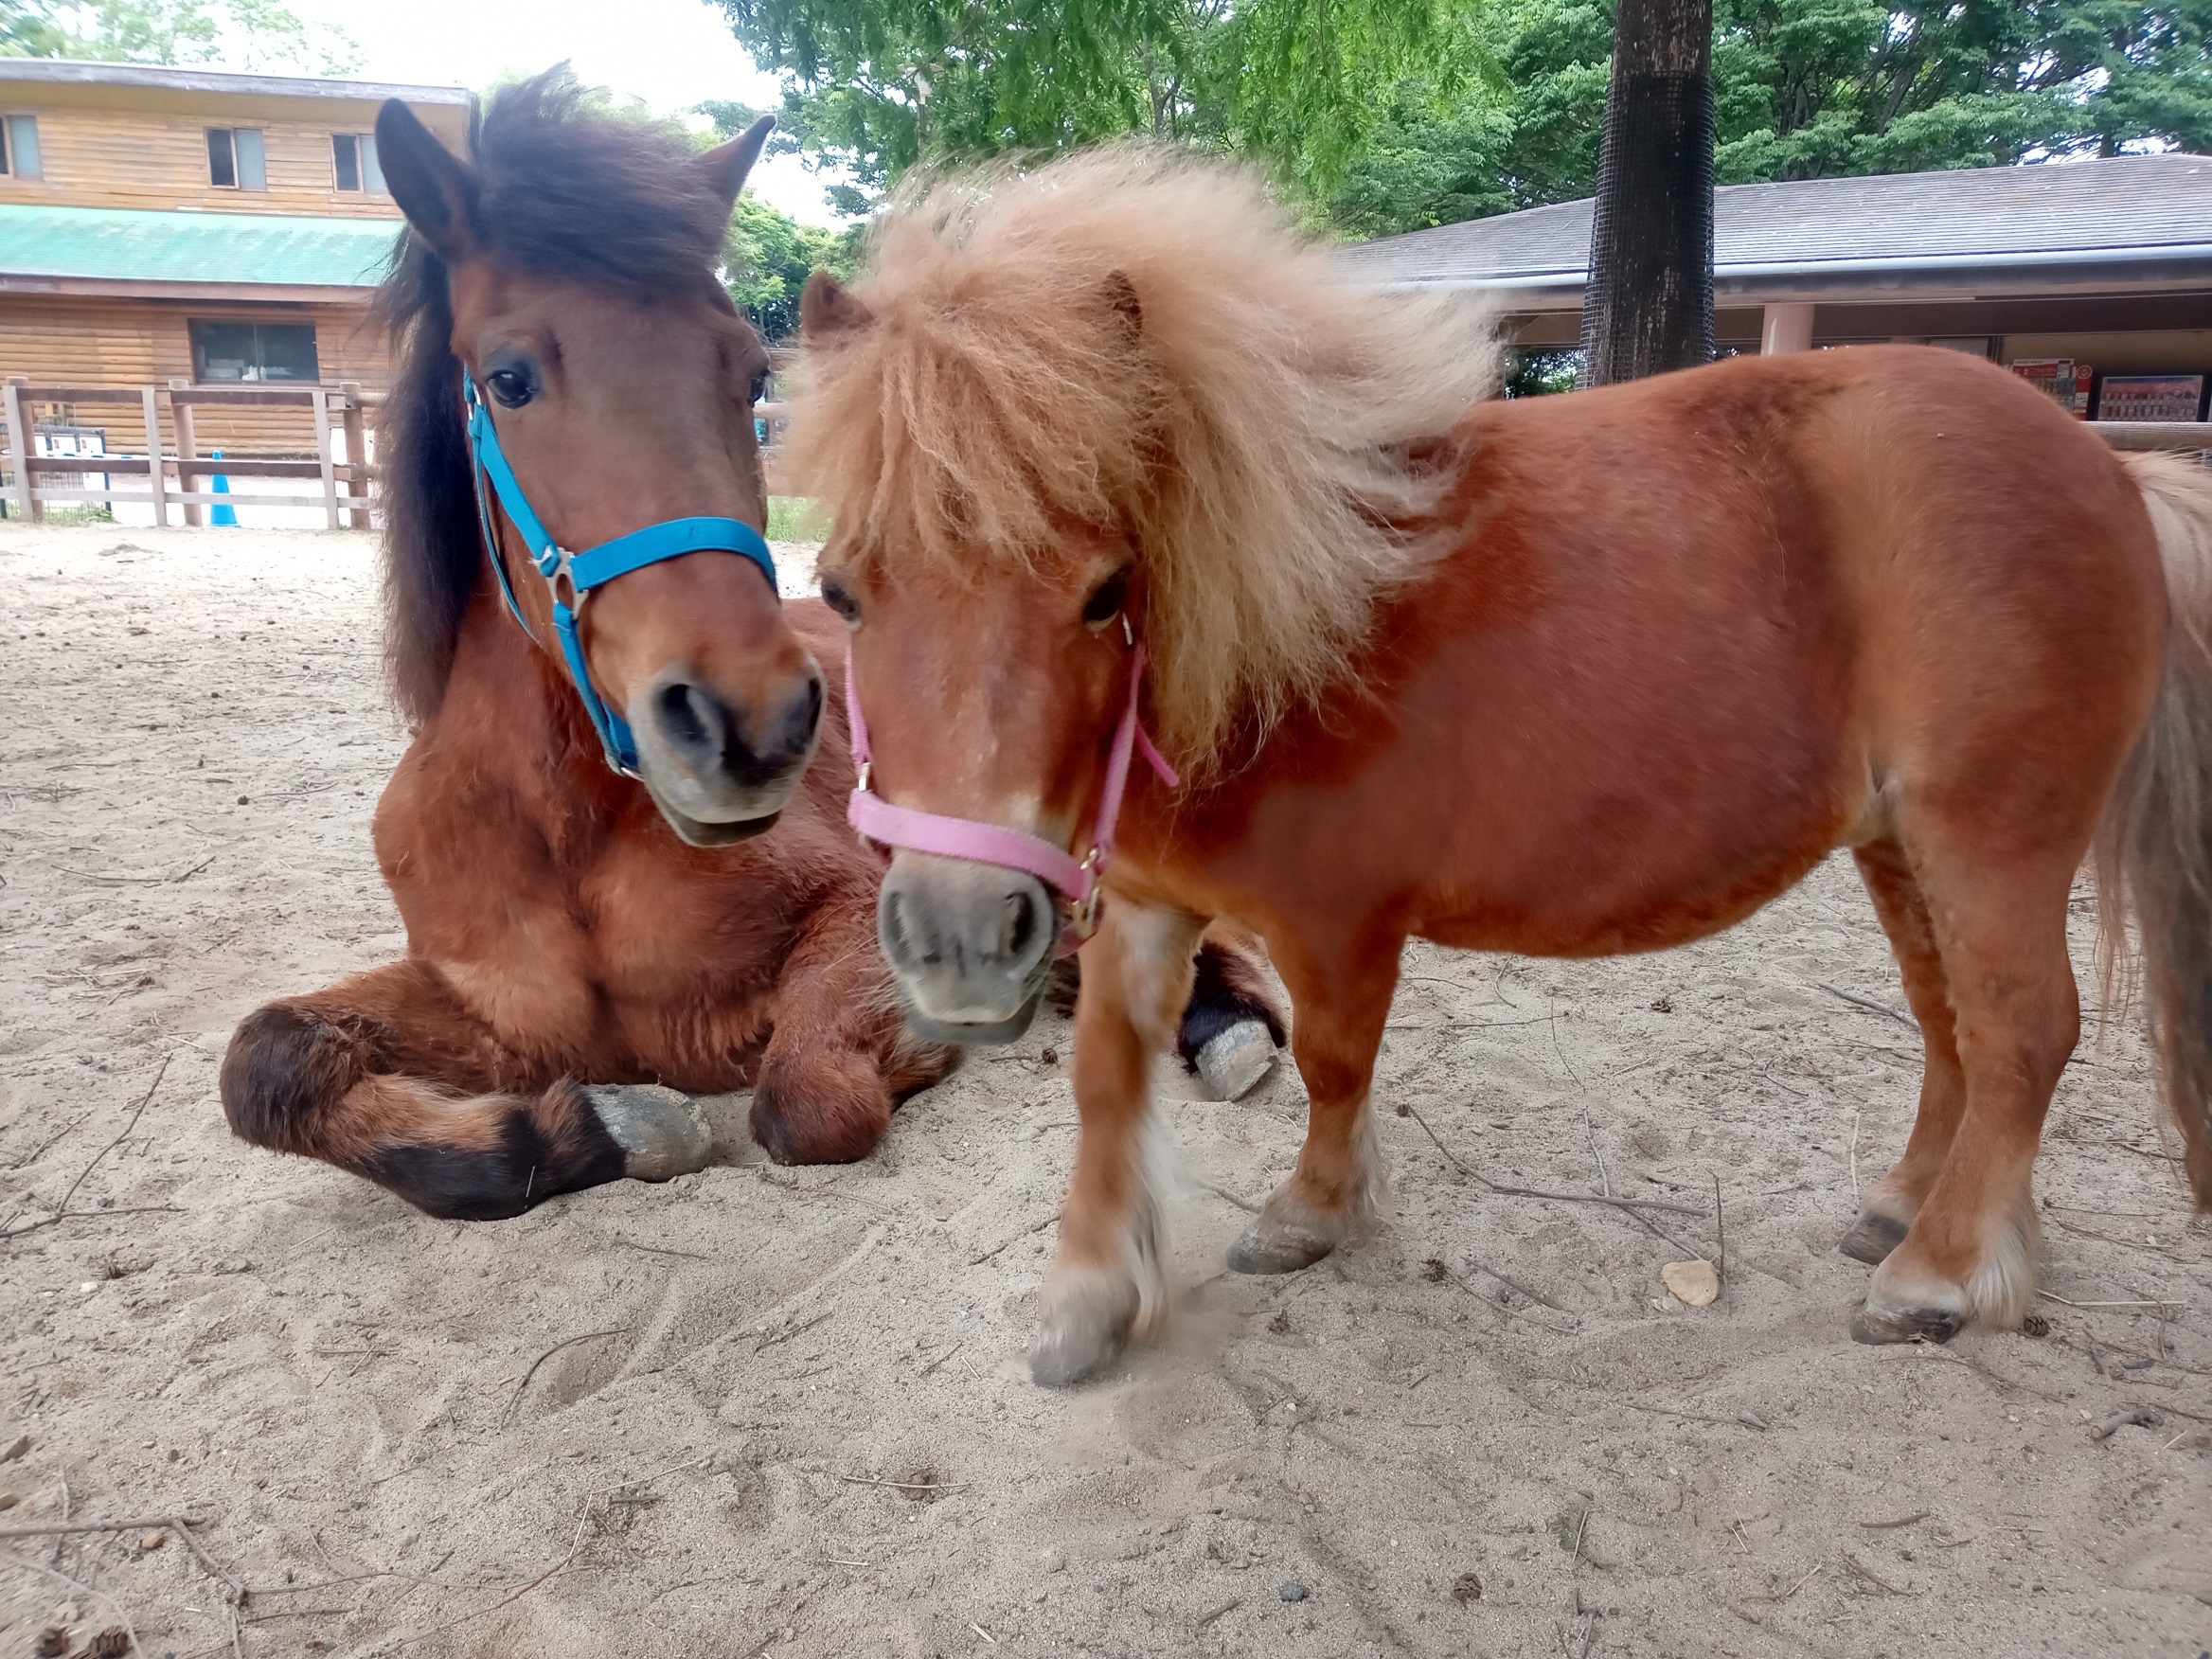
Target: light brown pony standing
1566, 677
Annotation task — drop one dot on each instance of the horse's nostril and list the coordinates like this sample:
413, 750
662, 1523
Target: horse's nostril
682, 717
1021, 924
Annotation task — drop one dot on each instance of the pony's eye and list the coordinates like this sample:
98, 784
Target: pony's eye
838, 600
514, 385
758, 388
1106, 600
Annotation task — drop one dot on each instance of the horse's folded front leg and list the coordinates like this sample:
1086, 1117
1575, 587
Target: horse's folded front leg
1107, 1282
389, 1076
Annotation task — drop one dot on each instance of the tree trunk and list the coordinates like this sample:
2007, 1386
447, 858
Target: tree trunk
1648, 305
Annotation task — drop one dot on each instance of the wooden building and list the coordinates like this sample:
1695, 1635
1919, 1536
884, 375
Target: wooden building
2103, 266
161, 226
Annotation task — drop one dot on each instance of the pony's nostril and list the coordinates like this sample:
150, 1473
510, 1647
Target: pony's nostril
684, 717
1021, 924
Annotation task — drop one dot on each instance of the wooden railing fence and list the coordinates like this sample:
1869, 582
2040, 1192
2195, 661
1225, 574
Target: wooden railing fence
344, 485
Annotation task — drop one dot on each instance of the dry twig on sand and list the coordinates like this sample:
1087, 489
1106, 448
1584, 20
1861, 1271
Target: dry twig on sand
10, 1559
1870, 1006
515, 1400
61, 1209
1630, 1204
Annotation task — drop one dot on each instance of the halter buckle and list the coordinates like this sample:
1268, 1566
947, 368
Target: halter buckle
1084, 917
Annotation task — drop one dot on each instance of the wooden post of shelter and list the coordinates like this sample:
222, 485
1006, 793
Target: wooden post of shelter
356, 453
154, 463
187, 448
321, 401
19, 447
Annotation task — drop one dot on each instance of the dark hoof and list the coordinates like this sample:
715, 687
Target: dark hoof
1882, 1326
1075, 1345
662, 1133
1871, 1238
1263, 1248
1233, 1061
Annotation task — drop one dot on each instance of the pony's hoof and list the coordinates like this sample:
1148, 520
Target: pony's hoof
1872, 1237
1892, 1325
1081, 1334
1234, 1060
661, 1131
1272, 1247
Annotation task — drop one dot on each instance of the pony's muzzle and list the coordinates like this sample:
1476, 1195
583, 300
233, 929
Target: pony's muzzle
715, 768
969, 943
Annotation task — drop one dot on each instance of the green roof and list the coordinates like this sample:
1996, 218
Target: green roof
119, 244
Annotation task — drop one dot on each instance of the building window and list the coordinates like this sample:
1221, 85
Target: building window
19, 147
253, 351
354, 163
236, 160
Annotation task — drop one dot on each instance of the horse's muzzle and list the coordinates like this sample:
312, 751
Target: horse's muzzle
969, 943
718, 770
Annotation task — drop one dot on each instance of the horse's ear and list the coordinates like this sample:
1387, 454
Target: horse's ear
434, 188
827, 309
726, 165
1118, 295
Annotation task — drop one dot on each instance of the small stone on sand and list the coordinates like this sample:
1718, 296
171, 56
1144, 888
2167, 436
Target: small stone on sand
1694, 1283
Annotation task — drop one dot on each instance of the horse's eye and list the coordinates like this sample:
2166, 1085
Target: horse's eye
1106, 600
758, 388
835, 596
514, 385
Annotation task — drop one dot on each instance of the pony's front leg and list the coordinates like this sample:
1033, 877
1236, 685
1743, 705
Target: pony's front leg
1106, 1282
1337, 1014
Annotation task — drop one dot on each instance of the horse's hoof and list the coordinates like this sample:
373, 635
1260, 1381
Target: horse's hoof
1892, 1325
661, 1131
1235, 1058
1083, 1334
1271, 1247
1872, 1237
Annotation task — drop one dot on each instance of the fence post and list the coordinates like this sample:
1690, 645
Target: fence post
356, 453
322, 407
187, 448
19, 445
153, 461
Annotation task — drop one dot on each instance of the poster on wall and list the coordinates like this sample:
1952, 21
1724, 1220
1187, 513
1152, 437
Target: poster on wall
2062, 379
2150, 396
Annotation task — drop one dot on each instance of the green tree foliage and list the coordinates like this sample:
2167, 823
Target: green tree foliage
770, 254
1803, 89
252, 35
878, 86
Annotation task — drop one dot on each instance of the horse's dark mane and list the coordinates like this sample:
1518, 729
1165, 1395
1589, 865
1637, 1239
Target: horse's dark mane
561, 192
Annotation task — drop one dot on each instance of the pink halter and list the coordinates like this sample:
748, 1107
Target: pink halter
879, 820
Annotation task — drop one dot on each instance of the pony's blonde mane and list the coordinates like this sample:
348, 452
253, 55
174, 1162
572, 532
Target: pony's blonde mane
1138, 338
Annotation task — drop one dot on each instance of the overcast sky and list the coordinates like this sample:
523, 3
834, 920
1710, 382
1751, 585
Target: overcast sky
670, 53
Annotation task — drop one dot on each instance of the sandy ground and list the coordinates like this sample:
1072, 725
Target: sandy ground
761, 1409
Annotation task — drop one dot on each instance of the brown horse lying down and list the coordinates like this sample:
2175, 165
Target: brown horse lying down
562, 938
1570, 676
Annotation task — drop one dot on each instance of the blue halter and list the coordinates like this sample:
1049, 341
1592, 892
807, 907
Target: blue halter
670, 539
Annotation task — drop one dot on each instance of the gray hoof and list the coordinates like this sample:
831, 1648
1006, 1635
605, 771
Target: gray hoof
1234, 1060
1073, 1346
1882, 1326
1263, 1248
1871, 1238
661, 1131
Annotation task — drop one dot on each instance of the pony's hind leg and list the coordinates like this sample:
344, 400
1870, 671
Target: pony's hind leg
1336, 1031
387, 1075
1969, 1253
1231, 1025
840, 1056
1888, 1209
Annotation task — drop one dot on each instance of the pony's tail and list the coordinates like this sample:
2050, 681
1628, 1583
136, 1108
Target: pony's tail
2154, 850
